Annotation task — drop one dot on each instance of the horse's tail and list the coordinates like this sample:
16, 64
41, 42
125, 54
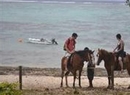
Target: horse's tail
62, 63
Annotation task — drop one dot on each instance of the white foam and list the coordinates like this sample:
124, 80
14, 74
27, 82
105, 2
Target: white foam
57, 2
87, 2
15, 1
51, 2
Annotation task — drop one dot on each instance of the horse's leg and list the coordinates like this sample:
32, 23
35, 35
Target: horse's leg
109, 77
66, 74
63, 64
127, 63
74, 74
128, 70
62, 76
80, 78
129, 74
109, 82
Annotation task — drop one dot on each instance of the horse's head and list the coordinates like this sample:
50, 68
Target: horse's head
90, 55
99, 56
102, 55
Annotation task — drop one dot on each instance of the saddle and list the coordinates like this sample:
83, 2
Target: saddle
117, 65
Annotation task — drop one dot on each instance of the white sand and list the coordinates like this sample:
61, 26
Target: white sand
42, 82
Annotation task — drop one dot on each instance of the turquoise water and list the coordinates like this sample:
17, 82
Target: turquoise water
96, 24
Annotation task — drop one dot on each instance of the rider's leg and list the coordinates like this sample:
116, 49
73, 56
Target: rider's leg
121, 63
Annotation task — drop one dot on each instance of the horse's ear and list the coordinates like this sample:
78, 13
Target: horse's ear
86, 49
98, 49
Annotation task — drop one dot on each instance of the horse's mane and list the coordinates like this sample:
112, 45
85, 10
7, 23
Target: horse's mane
82, 52
109, 55
105, 51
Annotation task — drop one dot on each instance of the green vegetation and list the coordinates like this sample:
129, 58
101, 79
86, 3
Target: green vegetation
9, 89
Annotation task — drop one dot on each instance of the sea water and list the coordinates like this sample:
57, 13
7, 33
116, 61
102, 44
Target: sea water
96, 23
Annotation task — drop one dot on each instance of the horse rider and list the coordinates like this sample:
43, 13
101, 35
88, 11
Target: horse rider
120, 50
69, 46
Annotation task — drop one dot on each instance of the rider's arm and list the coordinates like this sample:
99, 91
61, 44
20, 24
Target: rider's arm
115, 48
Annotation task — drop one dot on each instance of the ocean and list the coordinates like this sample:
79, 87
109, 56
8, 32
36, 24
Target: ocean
96, 23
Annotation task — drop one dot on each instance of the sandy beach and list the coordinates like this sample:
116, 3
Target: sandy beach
42, 82
42, 78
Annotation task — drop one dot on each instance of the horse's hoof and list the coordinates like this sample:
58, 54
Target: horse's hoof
61, 85
80, 86
90, 86
110, 87
105, 89
128, 87
74, 87
76, 92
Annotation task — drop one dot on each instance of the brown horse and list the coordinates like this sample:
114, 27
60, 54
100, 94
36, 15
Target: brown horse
76, 61
112, 65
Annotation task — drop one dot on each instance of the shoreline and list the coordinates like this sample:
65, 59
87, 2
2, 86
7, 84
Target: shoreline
56, 72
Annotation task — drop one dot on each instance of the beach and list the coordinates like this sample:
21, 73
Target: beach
96, 24
49, 78
50, 82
